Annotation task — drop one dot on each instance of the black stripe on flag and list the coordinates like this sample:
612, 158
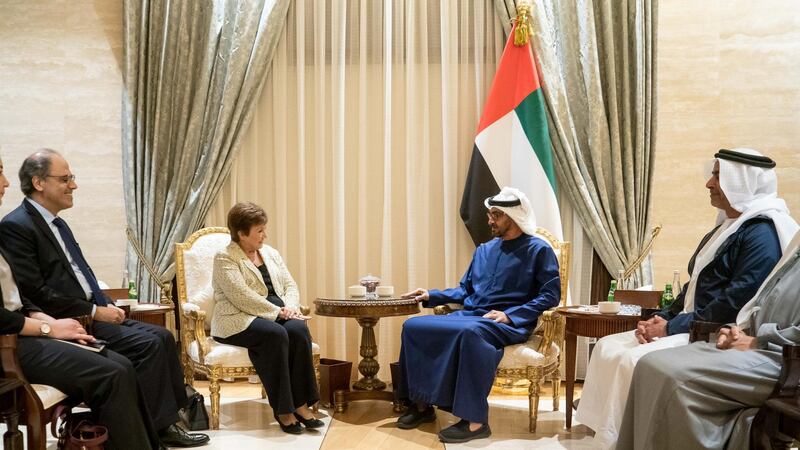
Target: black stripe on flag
479, 185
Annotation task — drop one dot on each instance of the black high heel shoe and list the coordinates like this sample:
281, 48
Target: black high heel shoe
294, 428
309, 423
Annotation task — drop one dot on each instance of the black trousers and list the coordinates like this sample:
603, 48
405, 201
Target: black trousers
105, 381
281, 354
153, 352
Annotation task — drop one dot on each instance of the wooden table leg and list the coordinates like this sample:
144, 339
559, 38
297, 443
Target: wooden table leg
570, 342
368, 367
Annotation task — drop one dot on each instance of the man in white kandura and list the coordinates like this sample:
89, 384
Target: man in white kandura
728, 267
705, 395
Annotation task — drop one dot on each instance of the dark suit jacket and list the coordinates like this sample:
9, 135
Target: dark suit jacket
40, 265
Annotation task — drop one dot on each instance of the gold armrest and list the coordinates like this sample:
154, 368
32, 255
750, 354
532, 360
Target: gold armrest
551, 329
305, 310
442, 310
196, 330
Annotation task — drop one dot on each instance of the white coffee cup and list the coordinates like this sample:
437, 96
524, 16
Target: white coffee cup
608, 307
356, 291
385, 291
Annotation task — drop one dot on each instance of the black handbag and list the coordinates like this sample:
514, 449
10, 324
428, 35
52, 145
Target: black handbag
195, 415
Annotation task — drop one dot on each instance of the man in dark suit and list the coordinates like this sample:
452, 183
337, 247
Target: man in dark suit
50, 267
105, 381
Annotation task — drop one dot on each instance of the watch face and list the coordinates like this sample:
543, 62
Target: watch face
45, 329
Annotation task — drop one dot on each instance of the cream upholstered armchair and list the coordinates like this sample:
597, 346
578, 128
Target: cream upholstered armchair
540, 357
194, 260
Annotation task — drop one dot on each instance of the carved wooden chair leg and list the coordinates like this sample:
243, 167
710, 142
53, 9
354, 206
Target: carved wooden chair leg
535, 377
556, 380
213, 387
188, 374
315, 359
37, 434
12, 438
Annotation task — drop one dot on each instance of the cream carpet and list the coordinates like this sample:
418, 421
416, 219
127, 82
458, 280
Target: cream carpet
508, 419
247, 424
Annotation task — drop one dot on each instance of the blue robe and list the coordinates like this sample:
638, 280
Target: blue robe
450, 361
739, 267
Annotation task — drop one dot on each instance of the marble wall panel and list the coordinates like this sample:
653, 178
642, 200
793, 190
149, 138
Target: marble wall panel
61, 87
728, 77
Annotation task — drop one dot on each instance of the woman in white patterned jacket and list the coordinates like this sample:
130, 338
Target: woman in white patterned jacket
258, 307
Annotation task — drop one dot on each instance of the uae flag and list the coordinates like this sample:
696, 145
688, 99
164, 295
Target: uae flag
512, 146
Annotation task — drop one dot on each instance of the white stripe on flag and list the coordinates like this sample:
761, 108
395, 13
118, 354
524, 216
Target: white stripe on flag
519, 168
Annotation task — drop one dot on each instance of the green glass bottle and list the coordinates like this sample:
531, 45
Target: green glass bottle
611, 290
666, 297
132, 292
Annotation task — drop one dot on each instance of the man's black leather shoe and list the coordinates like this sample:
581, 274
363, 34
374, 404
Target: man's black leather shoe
414, 417
460, 433
175, 436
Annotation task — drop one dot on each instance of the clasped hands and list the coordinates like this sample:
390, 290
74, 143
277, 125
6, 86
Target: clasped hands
422, 295
289, 314
735, 338
651, 329
110, 314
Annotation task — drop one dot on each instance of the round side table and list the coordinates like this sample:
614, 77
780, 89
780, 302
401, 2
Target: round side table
367, 313
579, 322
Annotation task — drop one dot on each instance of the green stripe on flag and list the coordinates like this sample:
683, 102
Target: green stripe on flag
534, 121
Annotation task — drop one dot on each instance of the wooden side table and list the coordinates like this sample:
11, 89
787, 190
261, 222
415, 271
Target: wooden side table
367, 313
161, 314
580, 322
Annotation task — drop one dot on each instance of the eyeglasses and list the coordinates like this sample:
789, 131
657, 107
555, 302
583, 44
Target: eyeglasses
62, 178
495, 215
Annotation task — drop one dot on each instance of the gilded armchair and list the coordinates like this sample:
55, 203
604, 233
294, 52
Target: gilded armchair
200, 353
540, 357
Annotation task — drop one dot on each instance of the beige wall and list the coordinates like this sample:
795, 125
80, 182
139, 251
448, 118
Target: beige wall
729, 76
60, 87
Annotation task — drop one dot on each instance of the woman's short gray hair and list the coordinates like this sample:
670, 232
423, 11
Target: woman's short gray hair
35, 165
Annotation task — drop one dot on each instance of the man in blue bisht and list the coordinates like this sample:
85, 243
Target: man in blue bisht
450, 361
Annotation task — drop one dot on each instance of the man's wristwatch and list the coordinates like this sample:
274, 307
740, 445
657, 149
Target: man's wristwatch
44, 329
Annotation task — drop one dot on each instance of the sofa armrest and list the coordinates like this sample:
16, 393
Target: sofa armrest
788, 385
701, 331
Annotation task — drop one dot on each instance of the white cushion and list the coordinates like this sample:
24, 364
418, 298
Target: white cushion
227, 355
198, 263
48, 394
524, 355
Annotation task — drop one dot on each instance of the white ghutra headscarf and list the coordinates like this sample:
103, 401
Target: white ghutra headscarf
515, 204
749, 182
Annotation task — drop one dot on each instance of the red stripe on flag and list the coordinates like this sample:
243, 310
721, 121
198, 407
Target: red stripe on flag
515, 79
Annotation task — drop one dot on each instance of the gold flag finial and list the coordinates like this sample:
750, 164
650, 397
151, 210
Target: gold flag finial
524, 28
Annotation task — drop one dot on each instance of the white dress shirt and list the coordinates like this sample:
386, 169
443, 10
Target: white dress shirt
48, 218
